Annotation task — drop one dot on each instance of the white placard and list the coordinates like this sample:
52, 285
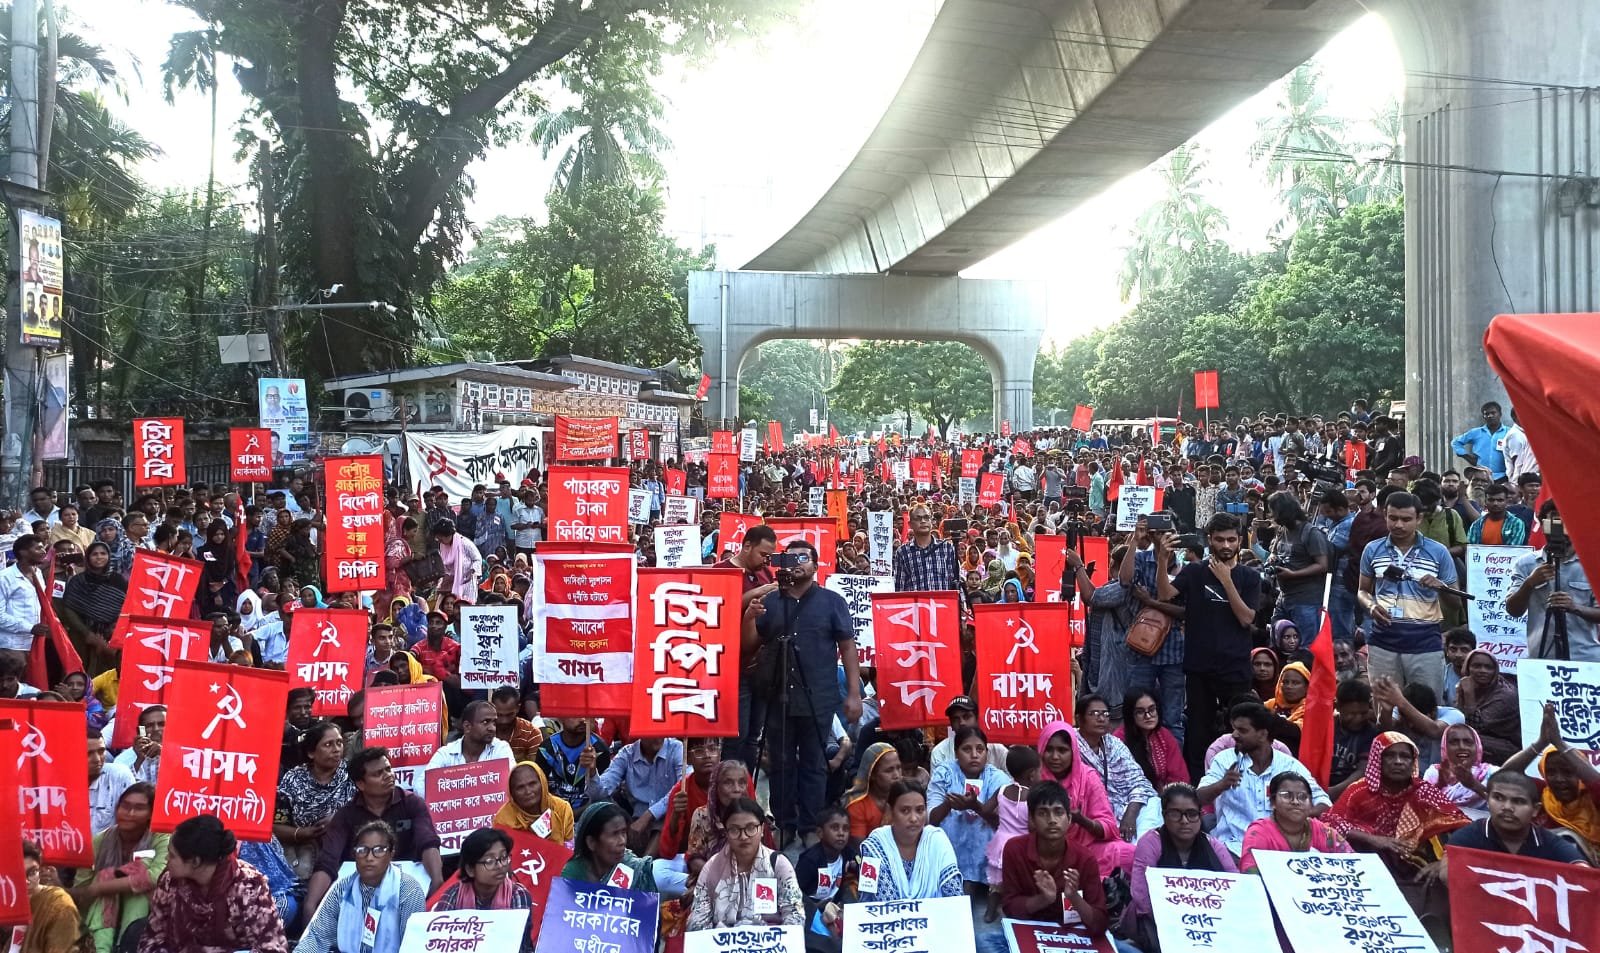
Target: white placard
747, 445
880, 542
1202, 910
677, 547
1575, 689
774, 939
639, 506
857, 592
942, 924
902, 472
1134, 501
1340, 903
966, 490
442, 929
1499, 633
817, 501
489, 647
680, 511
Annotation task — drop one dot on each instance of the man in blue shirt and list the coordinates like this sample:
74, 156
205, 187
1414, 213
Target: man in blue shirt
1514, 800
1401, 575
1485, 446
646, 769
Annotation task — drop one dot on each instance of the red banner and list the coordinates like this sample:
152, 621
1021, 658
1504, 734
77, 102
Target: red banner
1022, 447
839, 512
1096, 553
1355, 457
638, 445
464, 797
1082, 418
686, 654
158, 456
817, 532
354, 558
586, 438
588, 504
14, 907
1024, 668
1205, 390
990, 488
917, 638
583, 632
676, 481
775, 436
1049, 563
704, 388
408, 720
158, 585
731, 528
327, 654
1497, 898
151, 646
220, 753
52, 782
971, 462
1005, 428
1028, 936
250, 450
722, 442
536, 863
722, 476
922, 472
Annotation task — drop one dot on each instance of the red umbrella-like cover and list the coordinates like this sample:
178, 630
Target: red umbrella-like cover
1549, 364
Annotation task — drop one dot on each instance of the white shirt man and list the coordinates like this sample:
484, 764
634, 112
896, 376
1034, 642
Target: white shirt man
19, 607
104, 792
1518, 455
530, 536
451, 754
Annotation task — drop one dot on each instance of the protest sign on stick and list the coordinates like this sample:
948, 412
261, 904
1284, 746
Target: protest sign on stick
489, 644
1501, 901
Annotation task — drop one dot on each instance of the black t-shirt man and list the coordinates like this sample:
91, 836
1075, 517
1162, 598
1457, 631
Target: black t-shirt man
1216, 643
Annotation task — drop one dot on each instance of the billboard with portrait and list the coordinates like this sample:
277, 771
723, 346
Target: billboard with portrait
40, 267
285, 412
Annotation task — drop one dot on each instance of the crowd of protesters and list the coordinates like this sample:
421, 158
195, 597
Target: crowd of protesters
1187, 757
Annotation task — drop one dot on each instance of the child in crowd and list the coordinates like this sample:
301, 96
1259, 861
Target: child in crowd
963, 800
823, 871
1353, 730
1011, 816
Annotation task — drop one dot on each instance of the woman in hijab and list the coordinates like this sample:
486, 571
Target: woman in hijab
110, 532
994, 580
1286, 640
1289, 697
1461, 772
1094, 826
600, 848
531, 807
913, 858
311, 598
1264, 673
730, 782
128, 860
209, 899
1490, 705
91, 604
377, 886
867, 801
1391, 811
724, 894
217, 556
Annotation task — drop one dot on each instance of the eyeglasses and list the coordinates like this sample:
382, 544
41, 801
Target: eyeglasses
1143, 710
1097, 713
1294, 797
745, 830
1180, 815
499, 860
706, 746
372, 850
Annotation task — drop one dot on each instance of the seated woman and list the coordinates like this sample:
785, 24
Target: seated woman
484, 880
128, 860
531, 807
963, 802
1289, 697
1264, 672
1286, 642
1126, 787
1290, 826
1394, 813
867, 800
208, 899
1178, 844
1046, 875
600, 847
1154, 747
1094, 828
376, 886
706, 835
1461, 772
1489, 703
54, 927
309, 794
907, 859
725, 893
1571, 795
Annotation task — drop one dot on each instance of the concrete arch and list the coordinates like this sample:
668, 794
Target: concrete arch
734, 311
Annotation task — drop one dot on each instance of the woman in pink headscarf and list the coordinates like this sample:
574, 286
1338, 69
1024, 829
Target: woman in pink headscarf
462, 563
1094, 827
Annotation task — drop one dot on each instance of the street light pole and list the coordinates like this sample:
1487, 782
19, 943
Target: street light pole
21, 360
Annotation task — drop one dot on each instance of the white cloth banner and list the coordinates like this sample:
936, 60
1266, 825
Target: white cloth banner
880, 541
582, 598
1202, 910
817, 501
902, 472
459, 461
1574, 687
1339, 903
489, 647
639, 506
747, 445
966, 490
777, 939
677, 547
857, 592
444, 929
1499, 633
1133, 502
680, 511
942, 924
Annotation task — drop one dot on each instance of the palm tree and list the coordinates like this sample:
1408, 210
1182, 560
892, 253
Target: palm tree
615, 120
1382, 177
1182, 220
1301, 147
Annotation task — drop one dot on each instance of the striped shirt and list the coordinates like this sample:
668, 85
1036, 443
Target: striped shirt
1417, 617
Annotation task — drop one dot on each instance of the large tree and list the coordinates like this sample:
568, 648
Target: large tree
940, 381
374, 184
1169, 231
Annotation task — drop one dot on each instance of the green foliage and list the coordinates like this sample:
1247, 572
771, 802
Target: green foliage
941, 381
782, 381
1168, 232
1060, 377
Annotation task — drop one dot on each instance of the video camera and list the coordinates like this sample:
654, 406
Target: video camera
785, 563
1557, 544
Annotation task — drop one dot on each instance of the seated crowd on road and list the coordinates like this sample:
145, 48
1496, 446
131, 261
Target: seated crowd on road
1272, 534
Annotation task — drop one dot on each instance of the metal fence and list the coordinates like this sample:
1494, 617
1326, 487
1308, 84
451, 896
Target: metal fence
64, 475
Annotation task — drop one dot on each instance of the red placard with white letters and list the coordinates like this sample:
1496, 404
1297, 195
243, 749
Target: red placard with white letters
328, 654
586, 438
917, 637
250, 452
1024, 668
158, 454
354, 559
638, 445
820, 533
722, 476
686, 653
158, 585
990, 486
14, 907
1501, 901
151, 646
588, 504
52, 782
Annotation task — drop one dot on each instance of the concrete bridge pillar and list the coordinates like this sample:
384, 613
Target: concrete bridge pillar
1502, 145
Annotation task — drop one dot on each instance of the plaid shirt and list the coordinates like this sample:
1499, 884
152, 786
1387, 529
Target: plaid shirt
1144, 574
926, 568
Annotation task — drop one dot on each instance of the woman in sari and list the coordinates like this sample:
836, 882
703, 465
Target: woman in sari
913, 859
395, 553
730, 782
128, 860
1264, 673
531, 807
1289, 697
53, 927
91, 603
724, 893
1290, 826
1392, 812
1489, 703
600, 848
867, 801
70, 529
310, 793
1153, 746
1094, 827
1461, 772
377, 886
208, 899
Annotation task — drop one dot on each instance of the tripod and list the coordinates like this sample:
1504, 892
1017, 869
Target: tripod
1556, 618
788, 665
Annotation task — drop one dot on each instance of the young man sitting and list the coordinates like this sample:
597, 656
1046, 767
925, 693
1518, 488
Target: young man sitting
1043, 877
1510, 828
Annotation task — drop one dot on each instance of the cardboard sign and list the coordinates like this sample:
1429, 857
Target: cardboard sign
817, 501
680, 511
583, 623
151, 646
880, 542
408, 720
14, 905
1050, 566
918, 656
747, 445
1499, 633
464, 931
722, 476
250, 454
639, 507
159, 586
1202, 910
1037, 936
581, 916
857, 592
966, 490
490, 647
1574, 687
1133, 502
942, 924
686, 653
158, 452
1082, 418
638, 445
1340, 903
464, 797
677, 547
731, 528
990, 488
774, 939
328, 654
1501, 901
1205, 390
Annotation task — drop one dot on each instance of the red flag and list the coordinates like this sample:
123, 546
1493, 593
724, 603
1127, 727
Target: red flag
1355, 457
158, 585
722, 476
241, 552
354, 558
536, 862
704, 388
1114, 485
1096, 553
1082, 418
15, 909
152, 646
990, 486
586, 438
833, 435
1050, 553
583, 632
883, 447
775, 435
722, 442
1205, 390
1005, 428
677, 481
1155, 432
818, 532
859, 479
409, 721
1142, 478
918, 640
327, 653
1316, 740
588, 504
158, 453
52, 783
1536, 531
220, 753
1545, 905
971, 462
250, 451
66, 653
686, 654
1024, 668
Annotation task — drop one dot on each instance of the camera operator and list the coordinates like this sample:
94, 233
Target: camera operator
1551, 587
807, 633
1301, 560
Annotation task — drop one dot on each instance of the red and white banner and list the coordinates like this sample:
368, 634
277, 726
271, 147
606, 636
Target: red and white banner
250, 452
328, 654
158, 455
354, 559
220, 753
408, 720
588, 504
686, 653
722, 476
52, 782
456, 462
917, 637
971, 462
1501, 901
158, 585
150, 648
1022, 447
990, 488
1205, 390
1031, 936
731, 528
676, 482
820, 533
1050, 562
586, 438
15, 909
583, 621
1005, 428
722, 442
639, 444
922, 472
536, 863
704, 388
464, 797
1082, 418
774, 437
1024, 668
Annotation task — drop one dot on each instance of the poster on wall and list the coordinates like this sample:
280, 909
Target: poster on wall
285, 412
53, 413
41, 279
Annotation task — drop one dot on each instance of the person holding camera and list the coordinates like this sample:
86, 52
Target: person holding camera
1301, 559
1402, 578
1551, 587
807, 633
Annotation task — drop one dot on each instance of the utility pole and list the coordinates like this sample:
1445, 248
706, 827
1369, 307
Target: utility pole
21, 361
